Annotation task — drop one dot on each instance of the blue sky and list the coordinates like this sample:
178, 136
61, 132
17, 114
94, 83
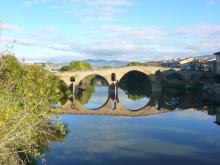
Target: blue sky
63, 30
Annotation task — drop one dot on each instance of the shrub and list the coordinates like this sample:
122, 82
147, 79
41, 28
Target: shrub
134, 63
77, 65
26, 92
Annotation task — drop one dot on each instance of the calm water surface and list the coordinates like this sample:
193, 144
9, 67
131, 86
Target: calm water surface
182, 137
98, 98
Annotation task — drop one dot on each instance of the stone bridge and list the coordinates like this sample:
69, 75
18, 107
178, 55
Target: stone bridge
76, 107
106, 73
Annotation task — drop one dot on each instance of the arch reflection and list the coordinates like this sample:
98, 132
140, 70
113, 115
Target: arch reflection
92, 92
134, 90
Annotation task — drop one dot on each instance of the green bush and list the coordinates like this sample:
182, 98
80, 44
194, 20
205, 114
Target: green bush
134, 63
174, 76
9, 68
26, 93
77, 65
196, 87
175, 84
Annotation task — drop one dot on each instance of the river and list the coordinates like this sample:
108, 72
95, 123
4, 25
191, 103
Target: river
187, 132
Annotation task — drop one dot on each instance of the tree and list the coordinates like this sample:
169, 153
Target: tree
135, 63
77, 65
43, 65
11, 68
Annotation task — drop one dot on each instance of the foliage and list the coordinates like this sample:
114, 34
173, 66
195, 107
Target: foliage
77, 65
135, 63
26, 92
175, 81
85, 94
136, 85
64, 90
87, 87
175, 84
196, 87
172, 98
10, 67
174, 76
98, 80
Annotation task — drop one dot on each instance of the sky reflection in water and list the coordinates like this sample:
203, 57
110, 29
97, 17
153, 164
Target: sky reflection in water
132, 104
175, 137
181, 137
98, 98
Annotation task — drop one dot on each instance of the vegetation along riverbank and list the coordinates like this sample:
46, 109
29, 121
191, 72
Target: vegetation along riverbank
26, 127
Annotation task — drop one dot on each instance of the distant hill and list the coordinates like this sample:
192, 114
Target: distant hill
94, 63
102, 63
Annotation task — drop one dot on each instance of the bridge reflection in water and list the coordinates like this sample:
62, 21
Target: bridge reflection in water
133, 95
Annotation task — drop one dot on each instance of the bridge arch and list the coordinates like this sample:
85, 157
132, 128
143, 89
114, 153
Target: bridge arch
135, 90
92, 76
133, 71
89, 88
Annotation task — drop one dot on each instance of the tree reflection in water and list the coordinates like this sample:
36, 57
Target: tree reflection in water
136, 85
134, 90
49, 132
135, 93
172, 98
88, 89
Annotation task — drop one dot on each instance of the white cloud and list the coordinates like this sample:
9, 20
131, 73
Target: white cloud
204, 38
91, 10
10, 27
48, 33
203, 31
123, 42
132, 34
